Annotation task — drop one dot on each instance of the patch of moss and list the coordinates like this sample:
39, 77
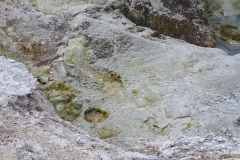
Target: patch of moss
64, 99
105, 133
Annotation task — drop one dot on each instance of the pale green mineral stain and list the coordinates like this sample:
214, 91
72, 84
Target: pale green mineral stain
6, 49
64, 99
145, 97
112, 77
105, 133
3, 43
42, 74
190, 125
135, 91
3, 48
151, 96
76, 52
111, 83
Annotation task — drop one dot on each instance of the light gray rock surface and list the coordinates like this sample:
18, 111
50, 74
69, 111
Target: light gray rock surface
163, 97
30, 131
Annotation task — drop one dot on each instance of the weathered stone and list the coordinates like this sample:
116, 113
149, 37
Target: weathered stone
229, 32
54, 7
41, 48
65, 99
179, 19
190, 9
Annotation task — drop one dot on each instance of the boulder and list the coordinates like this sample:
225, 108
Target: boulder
229, 32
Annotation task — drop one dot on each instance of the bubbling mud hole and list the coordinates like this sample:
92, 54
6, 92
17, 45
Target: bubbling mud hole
95, 115
227, 43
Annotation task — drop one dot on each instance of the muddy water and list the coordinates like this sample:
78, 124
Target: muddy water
232, 20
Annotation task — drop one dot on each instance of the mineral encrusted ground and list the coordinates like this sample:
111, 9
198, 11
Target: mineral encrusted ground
153, 97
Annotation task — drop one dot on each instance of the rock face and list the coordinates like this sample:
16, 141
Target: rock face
29, 45
113, 79
183, 19
30, 128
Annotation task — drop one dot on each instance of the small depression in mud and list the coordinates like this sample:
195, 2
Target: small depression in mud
95, 115
228, 33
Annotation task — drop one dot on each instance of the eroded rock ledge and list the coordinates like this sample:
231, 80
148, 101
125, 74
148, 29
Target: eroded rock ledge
183, 19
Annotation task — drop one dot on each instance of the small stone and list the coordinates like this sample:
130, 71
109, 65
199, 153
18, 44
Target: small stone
237, 121
27, 158
155, 10
220, 139
224, 130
